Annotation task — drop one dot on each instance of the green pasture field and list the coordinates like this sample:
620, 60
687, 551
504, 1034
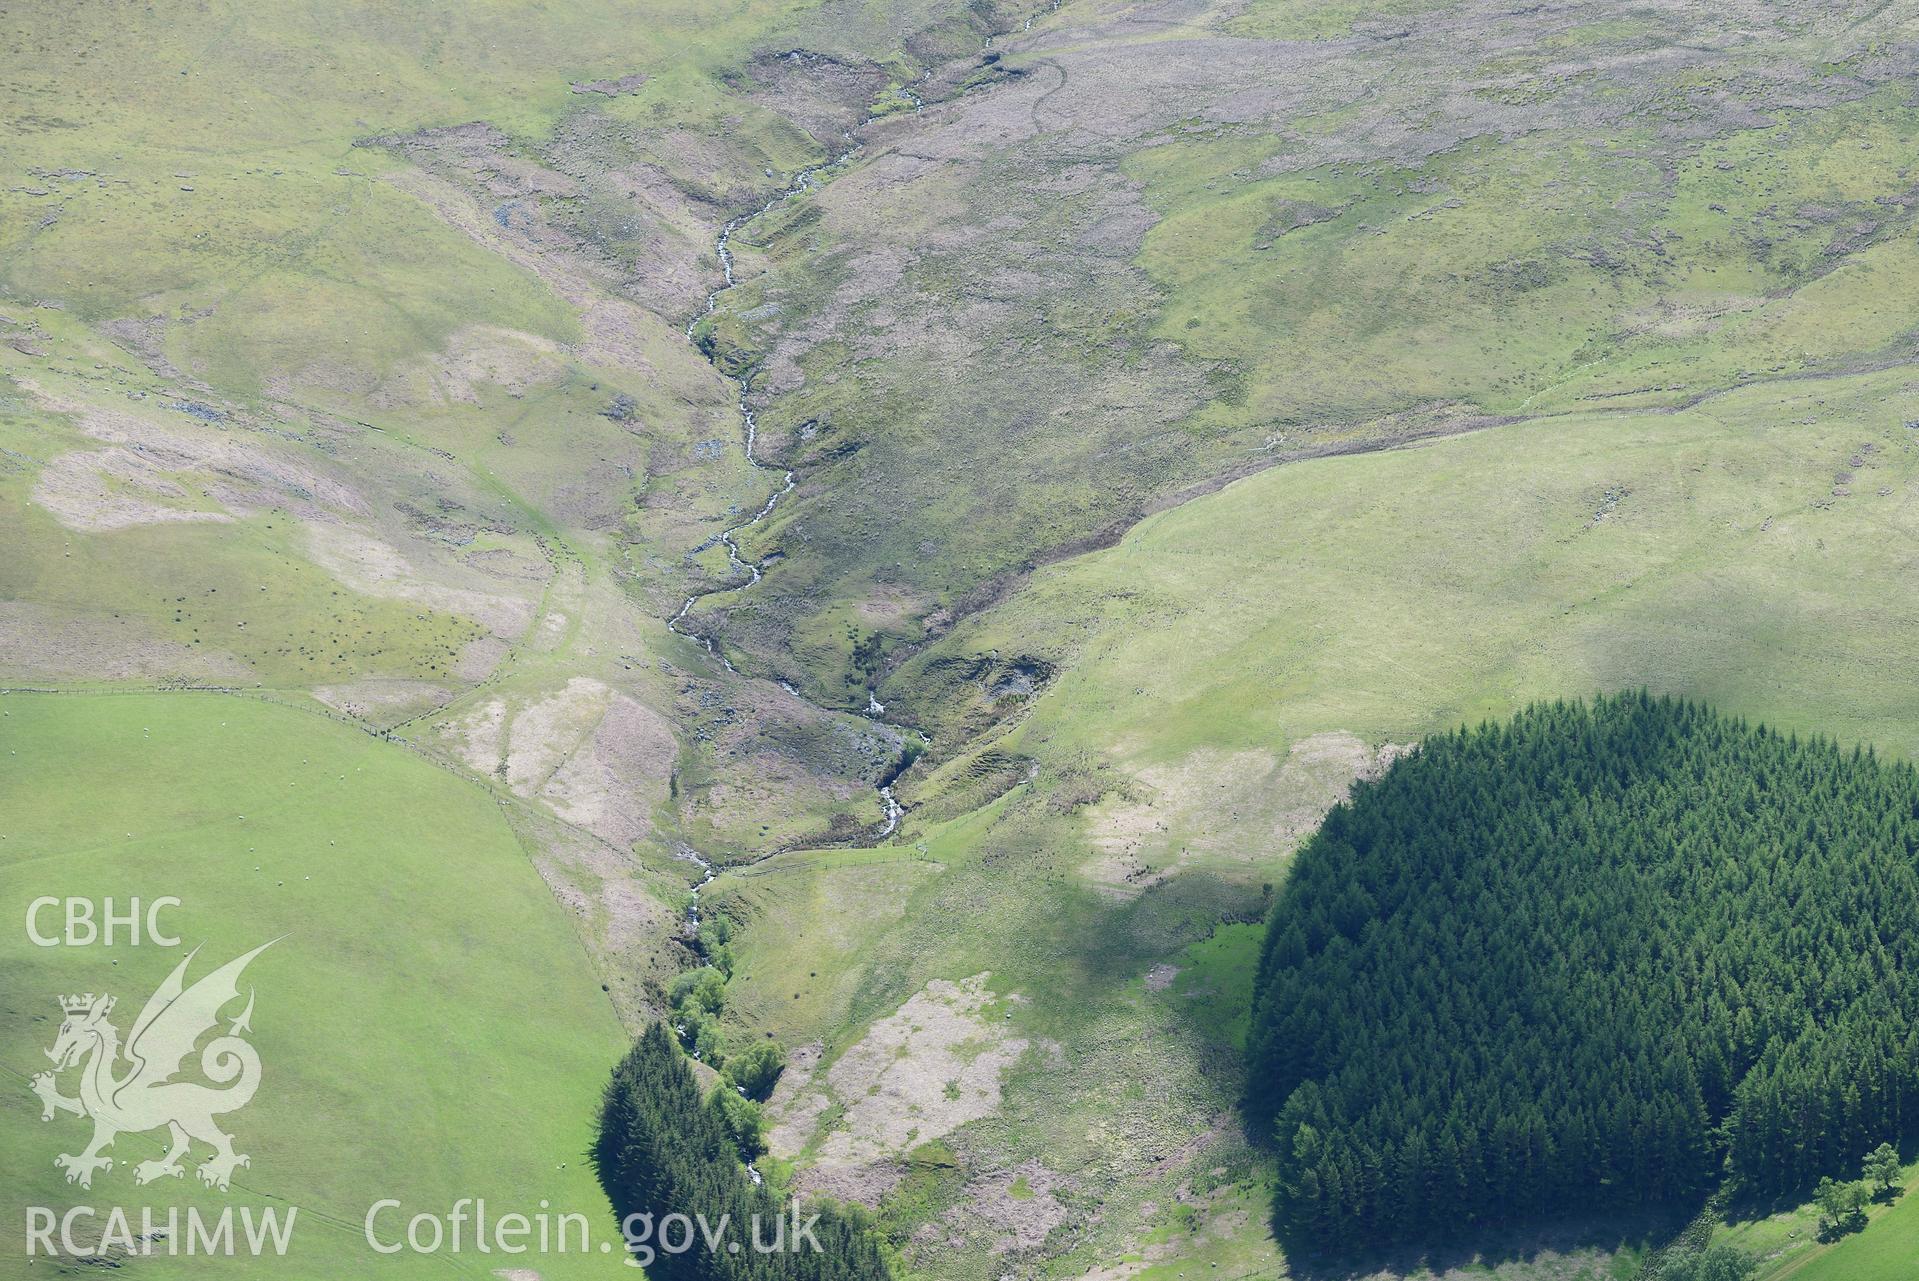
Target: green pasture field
1750, 551
427, 1022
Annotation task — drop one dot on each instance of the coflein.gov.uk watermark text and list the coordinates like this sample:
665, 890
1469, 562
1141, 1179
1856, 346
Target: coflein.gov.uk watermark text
85, 1232
469, 1226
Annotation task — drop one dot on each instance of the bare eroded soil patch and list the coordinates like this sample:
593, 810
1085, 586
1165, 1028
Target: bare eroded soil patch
919, 1073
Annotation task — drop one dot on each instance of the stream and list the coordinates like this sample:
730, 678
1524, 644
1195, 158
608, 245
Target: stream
890, 807
875, 710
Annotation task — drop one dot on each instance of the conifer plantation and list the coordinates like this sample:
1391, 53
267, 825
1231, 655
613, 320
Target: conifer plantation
661, 1151
1601, 957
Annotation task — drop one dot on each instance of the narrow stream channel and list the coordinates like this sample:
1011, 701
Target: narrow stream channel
890, 807
875, 710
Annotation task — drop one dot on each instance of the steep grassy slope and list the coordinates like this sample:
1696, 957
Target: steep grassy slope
342, 361
382, 311
1224, 672
1883, 1252
344, 354
1748, 549
428, 1027
1149, 254
1788, 1244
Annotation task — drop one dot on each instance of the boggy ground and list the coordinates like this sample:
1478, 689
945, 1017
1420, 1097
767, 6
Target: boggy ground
348, 369
344, 361
1224, 671
1157, 245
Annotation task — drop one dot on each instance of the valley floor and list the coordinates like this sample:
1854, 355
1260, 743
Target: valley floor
1190, 406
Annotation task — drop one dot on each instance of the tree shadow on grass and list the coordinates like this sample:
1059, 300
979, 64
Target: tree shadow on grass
1486, 1248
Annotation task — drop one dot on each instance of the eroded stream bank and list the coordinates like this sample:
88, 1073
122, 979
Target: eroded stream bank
891, 810
749, 574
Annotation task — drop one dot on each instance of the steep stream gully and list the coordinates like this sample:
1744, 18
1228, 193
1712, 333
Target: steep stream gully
802, 183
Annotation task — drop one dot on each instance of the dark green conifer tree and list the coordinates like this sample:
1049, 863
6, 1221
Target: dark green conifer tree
1599, 956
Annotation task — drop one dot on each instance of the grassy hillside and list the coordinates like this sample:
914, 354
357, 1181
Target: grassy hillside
1747, 550
429, 1026
342, 353
1154, 254
342, 358
1787, 1242
1884, 1251
1222, 674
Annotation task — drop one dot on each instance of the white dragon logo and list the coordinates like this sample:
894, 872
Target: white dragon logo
146, 1096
